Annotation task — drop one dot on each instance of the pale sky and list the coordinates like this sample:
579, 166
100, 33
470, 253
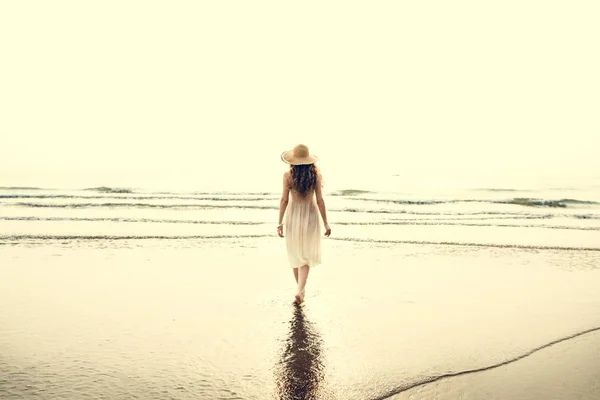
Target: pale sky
142, 92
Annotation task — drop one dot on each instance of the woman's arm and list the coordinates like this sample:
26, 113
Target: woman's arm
321, 204
285, 196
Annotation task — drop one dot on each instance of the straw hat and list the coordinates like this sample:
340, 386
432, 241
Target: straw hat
299, 156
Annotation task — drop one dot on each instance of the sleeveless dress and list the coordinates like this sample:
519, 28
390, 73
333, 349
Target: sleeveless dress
303, 230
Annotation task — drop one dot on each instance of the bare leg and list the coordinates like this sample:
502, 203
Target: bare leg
302, 277
296, 274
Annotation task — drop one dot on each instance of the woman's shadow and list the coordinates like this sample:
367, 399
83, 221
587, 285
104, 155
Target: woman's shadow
301, 369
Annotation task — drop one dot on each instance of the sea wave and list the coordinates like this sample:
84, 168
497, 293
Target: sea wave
106, 189
215, 193
468, 244
134, 220
392, 221
409, 202
433, 213
9, 238
586, 216
21, 188
140, 205
212, 206
575, 201
530, 202
500, 190
349, 192
124, 237
227, 193
467, 217
404, 222
443, 223
524, 201
136, 197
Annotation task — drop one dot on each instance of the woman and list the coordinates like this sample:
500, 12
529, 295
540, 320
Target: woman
303, 230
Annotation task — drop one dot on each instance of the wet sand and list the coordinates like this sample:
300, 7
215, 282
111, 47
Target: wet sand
567, 370
214, 319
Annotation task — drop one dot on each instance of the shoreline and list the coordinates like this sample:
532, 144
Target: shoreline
541, 373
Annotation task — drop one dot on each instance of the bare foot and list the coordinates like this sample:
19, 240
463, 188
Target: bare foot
299, 297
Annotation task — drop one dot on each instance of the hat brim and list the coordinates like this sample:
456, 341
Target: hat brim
288, 158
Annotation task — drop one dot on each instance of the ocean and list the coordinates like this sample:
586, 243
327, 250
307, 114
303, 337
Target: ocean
552, 218
119, 293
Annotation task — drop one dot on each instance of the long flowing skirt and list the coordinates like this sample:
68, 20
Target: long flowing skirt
303, 234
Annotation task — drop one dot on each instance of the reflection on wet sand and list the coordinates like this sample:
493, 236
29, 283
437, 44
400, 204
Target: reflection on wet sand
301, 370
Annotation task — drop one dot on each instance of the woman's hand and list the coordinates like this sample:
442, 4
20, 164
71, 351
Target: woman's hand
280, 230
327, 230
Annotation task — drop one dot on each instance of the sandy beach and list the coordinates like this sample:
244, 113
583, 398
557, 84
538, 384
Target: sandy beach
567, 370
148, 151
213, 319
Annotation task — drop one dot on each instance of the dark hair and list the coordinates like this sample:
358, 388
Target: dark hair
304, 178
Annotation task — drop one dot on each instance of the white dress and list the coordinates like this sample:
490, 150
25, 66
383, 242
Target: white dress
303, 230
